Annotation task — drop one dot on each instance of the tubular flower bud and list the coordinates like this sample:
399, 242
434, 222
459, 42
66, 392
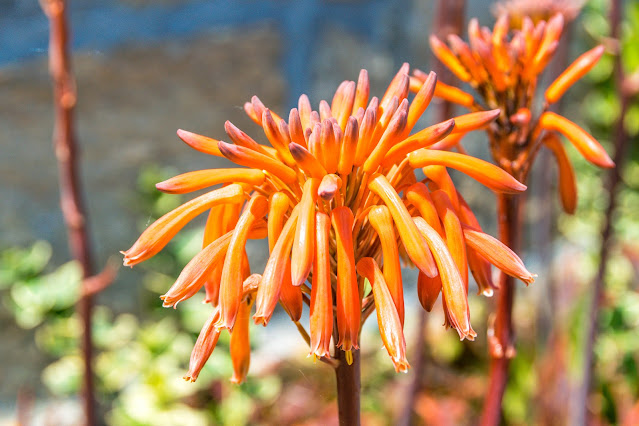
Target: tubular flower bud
453, 289
304, 243
567, 179
585, 144
331, 188
232, 273
388, 320
475, 120
156, 236
454, 233
321, 320
348, 301
382, 221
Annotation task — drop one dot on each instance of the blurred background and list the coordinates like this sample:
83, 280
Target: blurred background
146, 68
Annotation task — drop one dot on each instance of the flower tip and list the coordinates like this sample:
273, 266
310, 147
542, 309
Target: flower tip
401, 365
488, 292
190, 378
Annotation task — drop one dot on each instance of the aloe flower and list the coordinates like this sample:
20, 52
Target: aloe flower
336, 195
504, 66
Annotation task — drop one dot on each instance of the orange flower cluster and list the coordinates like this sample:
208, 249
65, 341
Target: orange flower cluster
337, 197
504, 66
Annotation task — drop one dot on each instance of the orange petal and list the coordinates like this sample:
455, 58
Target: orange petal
454, 234
366, 131
269, 291
348, 301
475, 120
290, 296
421, 139
389, 137
454, 95
382, 221
206, 342
567, 180
574, 72
398, 87
419, 196
197, 271
439, 175
388, 320
212, 285
483, 172
498, 254
200, 143
412, 240
232, 273
156, 236
362, 91
585, 144
420, 102
249, 158
448, 58
295, 128
193, 181
242, 139
239, 344
345, 106
278, 139
304, 107
321, 316
349, 147
329, 187
306, 161
428, 290
330, 147
453, 291
304, 243
213, 228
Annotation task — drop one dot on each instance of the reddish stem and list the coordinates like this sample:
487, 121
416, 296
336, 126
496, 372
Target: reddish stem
348, 388
509, 209
64, 143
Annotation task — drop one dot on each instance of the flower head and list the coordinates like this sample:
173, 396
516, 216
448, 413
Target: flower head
336, 194
504, 66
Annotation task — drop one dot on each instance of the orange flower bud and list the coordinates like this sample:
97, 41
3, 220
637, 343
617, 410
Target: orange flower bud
304, 107
567, 180
156, 236
498, 254
420, 102
428, 290
200, 143
366, 131
382, 221
475, 120
295, 128
388, 320
232, 273
348, 300
485, 173
419, 196
439, 175
413, 241
573, 73
349, 147
585, 144
240, 345
321, 316
344, 107
303, 245
206, 342
454, 234
389, 137
362, 92
269, 291
421, 139
242, 139
193, 181
454, 95
329, 187
453, 290
329, 146
306, 161
398, 87
278, 139
255, 160
449, 59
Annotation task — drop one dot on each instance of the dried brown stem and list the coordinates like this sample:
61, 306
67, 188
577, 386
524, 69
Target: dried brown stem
613, 182
64, 144
501, 334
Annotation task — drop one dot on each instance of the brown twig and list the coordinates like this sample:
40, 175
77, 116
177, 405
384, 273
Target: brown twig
65, 147
612, 187
449, 19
